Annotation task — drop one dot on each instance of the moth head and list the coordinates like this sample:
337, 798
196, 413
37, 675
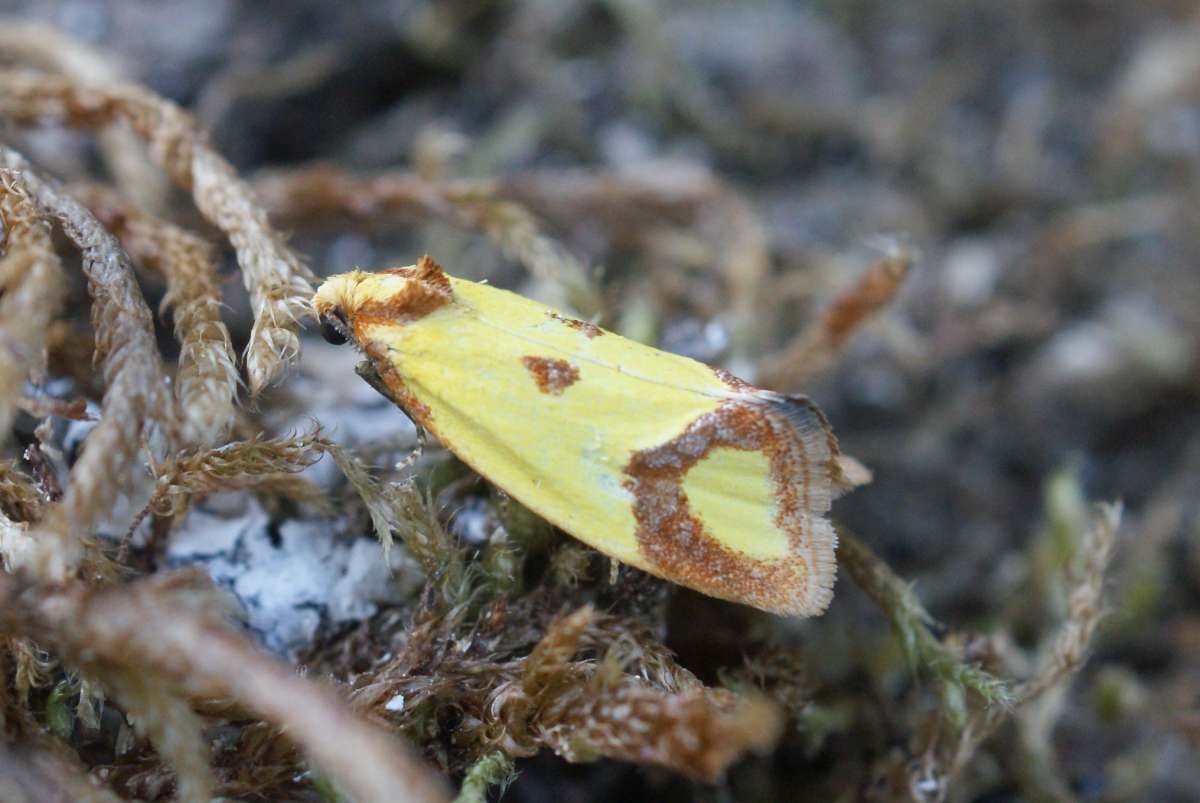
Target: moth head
394, 296
334, 298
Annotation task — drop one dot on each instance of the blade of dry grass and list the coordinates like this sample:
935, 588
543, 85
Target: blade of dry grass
279, 284
168, 628
206, 381
31, 292
820, 344
135, 393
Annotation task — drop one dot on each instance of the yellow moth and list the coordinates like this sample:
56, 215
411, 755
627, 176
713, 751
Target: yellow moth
652, 458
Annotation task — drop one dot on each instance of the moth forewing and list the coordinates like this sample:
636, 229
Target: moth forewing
654, 459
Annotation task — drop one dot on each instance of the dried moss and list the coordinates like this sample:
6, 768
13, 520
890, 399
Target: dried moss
522, 641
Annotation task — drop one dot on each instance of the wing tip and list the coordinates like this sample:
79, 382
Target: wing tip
815, 433
830, 480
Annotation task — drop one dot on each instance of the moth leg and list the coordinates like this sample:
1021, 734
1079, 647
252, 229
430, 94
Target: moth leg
367, 371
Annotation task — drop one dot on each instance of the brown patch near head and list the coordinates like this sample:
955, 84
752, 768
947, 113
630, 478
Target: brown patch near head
588, 329
552, 376
426, 270
675, 540
428, 289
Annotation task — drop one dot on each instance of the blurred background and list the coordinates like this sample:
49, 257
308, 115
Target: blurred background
720, 171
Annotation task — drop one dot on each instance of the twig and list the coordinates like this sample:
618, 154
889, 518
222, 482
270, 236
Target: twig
818, 345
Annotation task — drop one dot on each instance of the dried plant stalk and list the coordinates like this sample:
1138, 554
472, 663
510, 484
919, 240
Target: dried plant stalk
31, 291
1085, 588
245, 464
169, 628
166, 719
506, 209
325, 192
31, 44
40, 774
1066, 650
519, 234
696, 733
45, 47
820, 344
581, 712
23, 668
207, 378
279, 285
135, 391
31, 667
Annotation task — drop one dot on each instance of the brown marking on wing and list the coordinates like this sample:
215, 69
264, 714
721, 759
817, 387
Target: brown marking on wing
428, 289
675, 541
552, 376
590, 330
732, 381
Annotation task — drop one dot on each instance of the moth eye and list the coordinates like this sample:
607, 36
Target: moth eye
333, 329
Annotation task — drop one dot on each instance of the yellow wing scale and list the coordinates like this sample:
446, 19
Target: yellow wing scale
654, 459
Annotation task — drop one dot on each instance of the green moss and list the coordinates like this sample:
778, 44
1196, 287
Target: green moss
60, 717
494, 769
